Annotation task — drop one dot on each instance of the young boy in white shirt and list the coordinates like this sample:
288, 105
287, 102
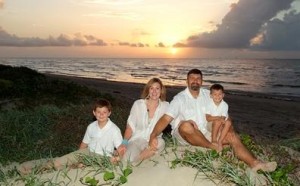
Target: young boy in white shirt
217, 114
101, 138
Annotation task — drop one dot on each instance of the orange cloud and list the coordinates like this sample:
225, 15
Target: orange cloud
62, 40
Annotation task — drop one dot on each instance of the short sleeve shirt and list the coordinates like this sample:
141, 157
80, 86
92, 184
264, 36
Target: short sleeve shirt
138, 119
217, 110
102, 140
185, 107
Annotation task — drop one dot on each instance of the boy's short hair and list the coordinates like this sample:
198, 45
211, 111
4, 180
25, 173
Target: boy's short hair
100, 103
194, 71
216, 87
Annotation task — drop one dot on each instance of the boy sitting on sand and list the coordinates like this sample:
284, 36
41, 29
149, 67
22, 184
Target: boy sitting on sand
217, 115
101, 137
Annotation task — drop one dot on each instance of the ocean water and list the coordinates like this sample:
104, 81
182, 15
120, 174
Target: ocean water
270, 76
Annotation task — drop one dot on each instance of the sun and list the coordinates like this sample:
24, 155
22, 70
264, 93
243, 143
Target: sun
173, 50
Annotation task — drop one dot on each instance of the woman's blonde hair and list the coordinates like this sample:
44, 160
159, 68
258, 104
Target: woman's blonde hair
163, 92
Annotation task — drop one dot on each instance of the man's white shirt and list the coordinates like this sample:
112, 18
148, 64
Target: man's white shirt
185, 107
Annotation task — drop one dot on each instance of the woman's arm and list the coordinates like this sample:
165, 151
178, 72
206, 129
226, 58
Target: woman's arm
127, 136
128, 132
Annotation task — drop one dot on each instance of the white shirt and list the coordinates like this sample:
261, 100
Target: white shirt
138, 119
185, 107
217, 110
102, 141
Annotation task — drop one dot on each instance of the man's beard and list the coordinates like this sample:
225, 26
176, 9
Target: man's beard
195, 86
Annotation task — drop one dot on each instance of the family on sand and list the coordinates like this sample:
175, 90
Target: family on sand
199, 117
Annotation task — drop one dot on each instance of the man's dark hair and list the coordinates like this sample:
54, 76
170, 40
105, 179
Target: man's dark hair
216, 87
194, 71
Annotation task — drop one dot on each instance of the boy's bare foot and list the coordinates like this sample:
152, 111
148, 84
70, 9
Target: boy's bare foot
215, 146
24, 170
265, 166
220, 147
28, 167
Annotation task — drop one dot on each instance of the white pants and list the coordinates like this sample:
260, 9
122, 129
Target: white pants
136, 146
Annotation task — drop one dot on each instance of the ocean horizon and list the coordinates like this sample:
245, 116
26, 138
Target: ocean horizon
279, 77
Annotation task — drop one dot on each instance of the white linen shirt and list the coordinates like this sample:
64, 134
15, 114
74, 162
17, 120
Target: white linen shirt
138, 119
217, 110
102, 141
185, 107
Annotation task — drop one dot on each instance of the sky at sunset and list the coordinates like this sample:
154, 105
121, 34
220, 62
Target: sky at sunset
150, 28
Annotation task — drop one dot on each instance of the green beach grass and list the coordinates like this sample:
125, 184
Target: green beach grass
42, 118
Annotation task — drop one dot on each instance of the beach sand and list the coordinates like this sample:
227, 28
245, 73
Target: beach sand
261, 116
151, 172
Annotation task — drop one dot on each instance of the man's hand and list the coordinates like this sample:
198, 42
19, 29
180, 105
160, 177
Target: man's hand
153, 143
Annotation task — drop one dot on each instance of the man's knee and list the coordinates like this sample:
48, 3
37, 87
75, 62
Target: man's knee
186, 128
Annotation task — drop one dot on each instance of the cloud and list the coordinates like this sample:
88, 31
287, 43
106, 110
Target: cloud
78, 39
140, 45
139, 32
179, 45
112, 2
114, 14
161, 45
240, 25
124, 44
137, 45
280, 34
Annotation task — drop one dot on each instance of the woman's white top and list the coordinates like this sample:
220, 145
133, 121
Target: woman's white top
139, 121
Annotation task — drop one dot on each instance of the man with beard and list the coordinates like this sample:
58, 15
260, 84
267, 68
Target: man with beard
186, 113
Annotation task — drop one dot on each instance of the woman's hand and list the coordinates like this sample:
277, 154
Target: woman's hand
122, 149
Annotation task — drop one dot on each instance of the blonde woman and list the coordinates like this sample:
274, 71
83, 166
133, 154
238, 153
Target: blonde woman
144, 114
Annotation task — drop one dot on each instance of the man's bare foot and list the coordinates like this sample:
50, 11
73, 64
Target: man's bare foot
265, 166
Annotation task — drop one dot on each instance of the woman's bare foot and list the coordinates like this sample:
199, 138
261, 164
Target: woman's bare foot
265, 166
80, 165
146, 153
